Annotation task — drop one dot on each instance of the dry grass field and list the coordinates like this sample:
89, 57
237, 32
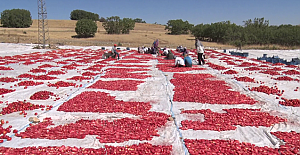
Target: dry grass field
61, 32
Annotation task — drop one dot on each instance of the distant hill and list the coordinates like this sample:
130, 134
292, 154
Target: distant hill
61, 32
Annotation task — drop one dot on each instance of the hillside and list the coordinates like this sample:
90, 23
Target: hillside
61, 32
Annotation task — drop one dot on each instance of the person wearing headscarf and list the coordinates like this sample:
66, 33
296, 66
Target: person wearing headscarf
155, 46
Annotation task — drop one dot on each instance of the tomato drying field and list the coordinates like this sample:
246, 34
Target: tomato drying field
142, 104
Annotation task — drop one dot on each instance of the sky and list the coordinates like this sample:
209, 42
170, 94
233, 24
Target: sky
160, 11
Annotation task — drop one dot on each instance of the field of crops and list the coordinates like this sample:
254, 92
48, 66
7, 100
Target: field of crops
142, 104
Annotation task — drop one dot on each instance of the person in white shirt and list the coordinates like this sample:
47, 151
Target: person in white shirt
179, 62
200, 51
165, 52
145, 49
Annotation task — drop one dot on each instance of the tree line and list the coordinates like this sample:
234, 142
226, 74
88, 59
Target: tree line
86, 22
253, 32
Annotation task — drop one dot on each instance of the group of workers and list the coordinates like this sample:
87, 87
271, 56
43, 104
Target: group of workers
179, 62
187, 61
153, 50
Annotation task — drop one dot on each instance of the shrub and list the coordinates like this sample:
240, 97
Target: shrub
16, 18
139, 20
102, 19
178, 27
81, 14
116, 25
86, 28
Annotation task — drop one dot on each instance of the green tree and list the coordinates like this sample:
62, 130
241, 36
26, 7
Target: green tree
253, 32
257, 30
217, 31
287, 35
102, 19
139, 20
16, 18
85, 28
200, 31
113, 25
116, 25
81, 14
127, 25
178, 26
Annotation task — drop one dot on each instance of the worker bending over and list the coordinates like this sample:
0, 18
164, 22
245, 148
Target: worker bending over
187, 61
114, 51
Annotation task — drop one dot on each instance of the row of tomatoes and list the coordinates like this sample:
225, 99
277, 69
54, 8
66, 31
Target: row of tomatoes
270, 72
253, 68
142, 148
130, 65
91, 101
268, 90
284, 78
5, 68
89, 74
38, 70
8, 79
243, 117
57, 72
20, 106
5, 131
233, 147
231, 72
245, 79
124, 129
217, 67
33, 58
46, 66
120, 74
292, 142
126, 70
5, 91
208, 90
247, 64
29, 83
290, 102
170, 67
42, 95
121, 85
36, 77
131, 61
292, 72
62, 84
80, 78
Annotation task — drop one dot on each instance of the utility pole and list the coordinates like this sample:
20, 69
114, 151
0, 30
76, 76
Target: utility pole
43, 30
